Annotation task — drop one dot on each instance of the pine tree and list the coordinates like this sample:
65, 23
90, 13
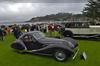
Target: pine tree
92, 10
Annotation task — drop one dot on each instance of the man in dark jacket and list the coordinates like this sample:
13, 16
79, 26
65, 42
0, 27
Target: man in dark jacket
16, 32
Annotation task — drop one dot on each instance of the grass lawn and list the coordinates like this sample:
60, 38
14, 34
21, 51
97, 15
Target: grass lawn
10, 58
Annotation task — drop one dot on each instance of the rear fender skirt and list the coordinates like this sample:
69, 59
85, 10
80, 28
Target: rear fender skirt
17, 46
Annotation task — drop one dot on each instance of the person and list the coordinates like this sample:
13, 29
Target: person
1, 34
32, 28
17, 32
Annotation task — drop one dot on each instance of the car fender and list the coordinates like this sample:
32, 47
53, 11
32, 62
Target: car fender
20, 42
53, 46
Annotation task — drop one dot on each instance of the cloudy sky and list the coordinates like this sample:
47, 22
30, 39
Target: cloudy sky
12, 10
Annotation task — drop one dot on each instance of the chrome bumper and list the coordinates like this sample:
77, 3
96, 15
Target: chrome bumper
75, 54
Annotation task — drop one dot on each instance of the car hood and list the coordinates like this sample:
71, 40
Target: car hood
51, 41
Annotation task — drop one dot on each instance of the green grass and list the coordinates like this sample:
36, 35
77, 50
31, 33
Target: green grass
53, 34
10, 58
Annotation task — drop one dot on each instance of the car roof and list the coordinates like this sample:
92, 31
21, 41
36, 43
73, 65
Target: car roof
31, 32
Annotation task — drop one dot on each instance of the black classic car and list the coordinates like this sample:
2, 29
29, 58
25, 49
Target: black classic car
36, 42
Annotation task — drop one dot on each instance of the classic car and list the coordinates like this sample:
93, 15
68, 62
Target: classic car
37, 43
82, 29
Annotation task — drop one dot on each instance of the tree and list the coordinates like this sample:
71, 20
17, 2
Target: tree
92, 10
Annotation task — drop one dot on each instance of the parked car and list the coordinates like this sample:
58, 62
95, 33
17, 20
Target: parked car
81, 29
36, 42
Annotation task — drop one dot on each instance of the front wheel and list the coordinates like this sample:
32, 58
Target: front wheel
60, 55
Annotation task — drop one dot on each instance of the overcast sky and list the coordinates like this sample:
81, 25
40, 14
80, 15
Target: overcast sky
12, 10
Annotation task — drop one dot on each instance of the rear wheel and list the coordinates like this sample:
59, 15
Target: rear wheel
60, 55
67, 33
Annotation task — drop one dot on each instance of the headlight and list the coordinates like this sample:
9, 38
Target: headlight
71, 45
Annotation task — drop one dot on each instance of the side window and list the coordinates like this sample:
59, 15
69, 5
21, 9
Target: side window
31, 38
28, 38
77, 25
68, 25
25, 38
71, 25
82, 25
85, 25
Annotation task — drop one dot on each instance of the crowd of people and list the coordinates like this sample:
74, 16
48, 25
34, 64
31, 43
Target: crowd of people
17, 30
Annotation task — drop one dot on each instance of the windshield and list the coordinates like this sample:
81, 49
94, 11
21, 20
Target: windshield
38, 35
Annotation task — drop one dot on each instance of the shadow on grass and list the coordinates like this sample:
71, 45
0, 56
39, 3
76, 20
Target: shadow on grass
88, 39
69, 60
